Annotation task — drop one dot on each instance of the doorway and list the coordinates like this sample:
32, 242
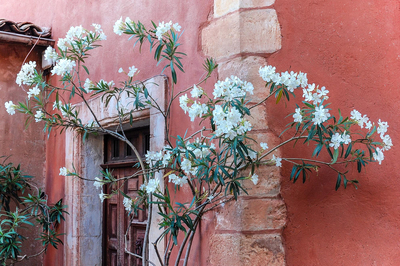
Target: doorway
120, 159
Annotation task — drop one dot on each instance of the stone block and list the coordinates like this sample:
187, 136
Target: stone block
250, 31
223, 7
269, 182
258, 118
251, 215
246, 68
239, 250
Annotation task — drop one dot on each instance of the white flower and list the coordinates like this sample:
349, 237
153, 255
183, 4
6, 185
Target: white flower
252, 154
97, 27
120, 70
102, 36
254, 179
322, 93
51, 55
27, 73
368, 125
177, 180
98, 183
320, 115
63, 66
197, 110
335, 141
267, 72
63, 44
119, 26
152, 156
162, 29
152, 185
183, 101
57, 105
297, 116
10, 107
88, 85
186, 166
102, 196
128, 21
382, 128
33, 91
177, 27
346, 139
378, 156
277, 161
196, 91
127, 204
264, 145
387, 141
75, 32
132, 71
302, 78
39, 116
355, 115
63, 171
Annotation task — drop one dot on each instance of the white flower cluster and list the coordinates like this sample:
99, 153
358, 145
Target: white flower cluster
27, 73
179, 181
314, 94
381, 130
229, 122
127, 204
33, 91
63, 66
39, 116
361, 119
197, 92
132, 71
338, 139
151, 186
291, 80
88, 85
79, 33
277, 161
152, 157
10, 107
51, 55
232, 88
298, 117
321, 114
165, 27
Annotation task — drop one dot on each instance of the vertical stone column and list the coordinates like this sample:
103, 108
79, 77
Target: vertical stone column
241, 36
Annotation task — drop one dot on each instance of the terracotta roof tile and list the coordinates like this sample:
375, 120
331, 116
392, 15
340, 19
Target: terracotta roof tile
25, 28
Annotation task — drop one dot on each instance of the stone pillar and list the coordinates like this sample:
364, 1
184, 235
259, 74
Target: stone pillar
240, 36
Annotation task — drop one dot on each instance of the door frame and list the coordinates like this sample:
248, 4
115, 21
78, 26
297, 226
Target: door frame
83, 227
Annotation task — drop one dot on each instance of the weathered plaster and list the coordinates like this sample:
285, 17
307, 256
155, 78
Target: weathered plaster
84, 224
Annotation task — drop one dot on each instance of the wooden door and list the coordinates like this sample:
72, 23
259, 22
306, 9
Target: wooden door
120, 160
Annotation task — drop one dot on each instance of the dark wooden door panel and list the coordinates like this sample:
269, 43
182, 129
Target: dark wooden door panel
120, 160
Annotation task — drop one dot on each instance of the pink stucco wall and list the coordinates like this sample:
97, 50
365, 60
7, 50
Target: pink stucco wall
25, 146
116, 52
351, 47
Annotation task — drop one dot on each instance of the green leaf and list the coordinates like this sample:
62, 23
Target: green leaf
339, 179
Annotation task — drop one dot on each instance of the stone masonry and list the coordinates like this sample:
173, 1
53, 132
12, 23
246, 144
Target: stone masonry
240, 36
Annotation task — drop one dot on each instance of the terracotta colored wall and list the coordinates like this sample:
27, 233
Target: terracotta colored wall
25, 146
352, 48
